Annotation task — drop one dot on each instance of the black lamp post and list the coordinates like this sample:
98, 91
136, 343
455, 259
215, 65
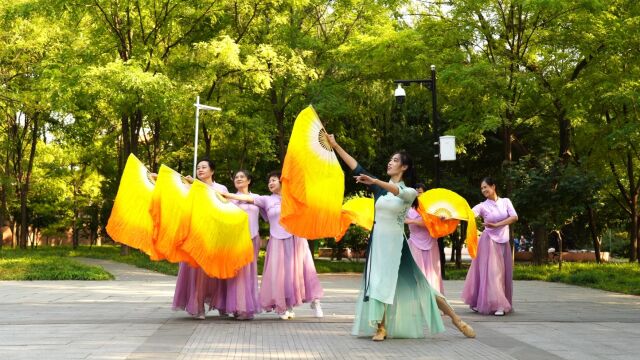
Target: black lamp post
431, 85
400, 96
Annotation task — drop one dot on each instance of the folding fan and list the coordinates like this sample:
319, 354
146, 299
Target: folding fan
130, 222
312, 181
218, 238
169, 213
359, 211
442, 209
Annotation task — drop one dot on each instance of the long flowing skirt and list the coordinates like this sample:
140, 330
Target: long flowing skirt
429, 263
239, 295
193, 290
289, 277
414, 306
489, 283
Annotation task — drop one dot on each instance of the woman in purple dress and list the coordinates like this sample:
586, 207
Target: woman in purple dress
239, 295
424, 248
194, 287
289, 277
488, 287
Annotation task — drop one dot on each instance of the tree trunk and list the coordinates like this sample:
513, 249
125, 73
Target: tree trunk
633, 234
278, 114
633, 206
462, 230
24, 187
206, 136
540, 245
3, 197
594, 234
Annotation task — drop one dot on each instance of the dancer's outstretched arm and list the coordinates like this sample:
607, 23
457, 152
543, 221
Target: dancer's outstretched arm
245, 198
353, 164
348, 159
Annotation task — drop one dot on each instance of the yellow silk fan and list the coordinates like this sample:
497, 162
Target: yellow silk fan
312, 181
130, 222
442, 209
359, 211
218, 238
169, 213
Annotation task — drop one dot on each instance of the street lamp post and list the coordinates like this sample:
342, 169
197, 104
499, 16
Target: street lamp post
195, 142
400, 95
431, 85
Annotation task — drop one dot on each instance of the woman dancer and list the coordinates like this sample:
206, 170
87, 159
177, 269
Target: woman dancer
488, 287
239, 295
395, 298
193, 286
289, 277
424, 248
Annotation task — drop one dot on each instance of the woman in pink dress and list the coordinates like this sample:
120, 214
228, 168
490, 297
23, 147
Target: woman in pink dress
239, 295
424, 248
289, 277
488, 287
193, 286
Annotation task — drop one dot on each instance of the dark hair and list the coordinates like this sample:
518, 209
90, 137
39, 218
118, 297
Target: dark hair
488, 180
409, 175
247, 174
211, 163
274, 173
418, 186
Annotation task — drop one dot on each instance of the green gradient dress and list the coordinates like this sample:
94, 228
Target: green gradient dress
392, 280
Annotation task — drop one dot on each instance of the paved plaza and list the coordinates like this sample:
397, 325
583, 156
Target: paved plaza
131, 318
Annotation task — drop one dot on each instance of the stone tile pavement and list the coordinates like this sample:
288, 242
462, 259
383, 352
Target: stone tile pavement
131, 318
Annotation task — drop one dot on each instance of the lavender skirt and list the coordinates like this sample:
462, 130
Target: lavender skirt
193, 290
239, 295
289, 277
429, 263
489, 283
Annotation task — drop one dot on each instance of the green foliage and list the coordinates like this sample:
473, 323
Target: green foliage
559, 191
551, 78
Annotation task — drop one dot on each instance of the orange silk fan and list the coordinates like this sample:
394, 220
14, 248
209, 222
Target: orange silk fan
312, 181
442, 209
218, 238
169, 213
130, 222
359, 211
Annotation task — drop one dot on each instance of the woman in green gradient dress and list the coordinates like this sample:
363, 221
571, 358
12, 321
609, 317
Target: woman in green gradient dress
395, 298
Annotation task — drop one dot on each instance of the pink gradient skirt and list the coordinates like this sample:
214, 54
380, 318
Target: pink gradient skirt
289, 277
239, 295
429, 263
489, 283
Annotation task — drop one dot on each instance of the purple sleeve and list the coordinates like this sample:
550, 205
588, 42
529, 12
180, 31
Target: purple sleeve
477, 210
510, 210
413, 214
261, 201
262, 209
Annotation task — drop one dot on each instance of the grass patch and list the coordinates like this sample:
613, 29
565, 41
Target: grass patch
617, 277
56, 263
37, 265
59, 261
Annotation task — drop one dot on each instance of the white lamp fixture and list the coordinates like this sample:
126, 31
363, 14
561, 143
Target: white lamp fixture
447, 148
400, 94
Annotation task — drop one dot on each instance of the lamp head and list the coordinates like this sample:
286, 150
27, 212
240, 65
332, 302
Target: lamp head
400, 94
